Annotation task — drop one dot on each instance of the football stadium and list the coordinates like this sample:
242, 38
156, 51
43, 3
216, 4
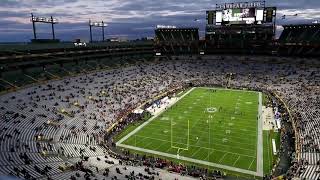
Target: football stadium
233, 95
204, 124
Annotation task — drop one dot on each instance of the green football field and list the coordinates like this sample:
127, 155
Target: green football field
207, 126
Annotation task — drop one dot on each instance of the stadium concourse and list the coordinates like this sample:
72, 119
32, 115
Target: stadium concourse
57, 130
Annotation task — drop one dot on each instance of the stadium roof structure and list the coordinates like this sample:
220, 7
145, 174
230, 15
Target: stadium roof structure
291, 26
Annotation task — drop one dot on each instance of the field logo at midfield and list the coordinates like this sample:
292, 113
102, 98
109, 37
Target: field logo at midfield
211, 109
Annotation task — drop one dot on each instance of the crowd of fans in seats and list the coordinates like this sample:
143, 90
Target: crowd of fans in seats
48, 124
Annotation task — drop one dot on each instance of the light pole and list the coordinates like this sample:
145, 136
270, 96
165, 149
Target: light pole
101, 25
44, 20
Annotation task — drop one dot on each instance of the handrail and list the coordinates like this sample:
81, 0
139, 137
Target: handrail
296, 134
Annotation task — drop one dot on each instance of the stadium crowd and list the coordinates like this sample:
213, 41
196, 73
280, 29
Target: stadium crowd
58, 129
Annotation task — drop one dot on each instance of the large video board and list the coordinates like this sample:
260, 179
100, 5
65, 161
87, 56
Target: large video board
241, 13
236, 16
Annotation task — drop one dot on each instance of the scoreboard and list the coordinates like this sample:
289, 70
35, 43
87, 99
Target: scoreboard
240, 13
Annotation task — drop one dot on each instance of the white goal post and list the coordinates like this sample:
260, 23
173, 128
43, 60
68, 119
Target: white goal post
188, 138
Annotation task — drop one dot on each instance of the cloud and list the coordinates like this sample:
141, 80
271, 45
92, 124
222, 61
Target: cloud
133, 19
306, 14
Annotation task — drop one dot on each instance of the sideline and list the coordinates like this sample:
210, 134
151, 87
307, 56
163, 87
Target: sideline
260, 139
151, 119
191, 160
259, 171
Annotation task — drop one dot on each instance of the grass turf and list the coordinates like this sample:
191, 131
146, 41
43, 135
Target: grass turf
227, 136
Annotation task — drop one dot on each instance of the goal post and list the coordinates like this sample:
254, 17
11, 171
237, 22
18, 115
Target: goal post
175, 138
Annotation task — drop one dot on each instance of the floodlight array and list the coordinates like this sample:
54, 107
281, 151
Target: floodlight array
101, 25
44, 20
98, 24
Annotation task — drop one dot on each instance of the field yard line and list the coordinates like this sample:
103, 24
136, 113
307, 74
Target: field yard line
195, 152
200, 131
216, 143
260, 139
223, 157
189, 134
168, 150
151, 119
255, 173
211, 151
243, 125
206, 163
228, 89
200, 147
148, 144
136, 141
219, 135
161, 145
251, 164
241, 128
202, 125
236, 161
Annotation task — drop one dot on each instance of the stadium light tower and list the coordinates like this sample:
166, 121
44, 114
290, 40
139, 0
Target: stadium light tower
45, 20
101, 25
